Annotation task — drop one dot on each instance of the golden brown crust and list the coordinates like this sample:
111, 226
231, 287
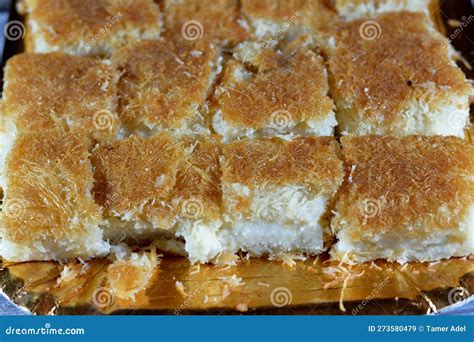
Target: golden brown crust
75, 23
308, 15
49, 178
313, 161
136, 171
164, 83
199, 177
159, 178
190, 20
380, 67
55, 90
277, 11
293, 84
396, 183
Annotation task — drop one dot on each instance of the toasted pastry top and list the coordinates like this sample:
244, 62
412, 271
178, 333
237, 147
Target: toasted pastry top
66, 22
159, 178
289, 88
199, 178
136, 171
217, 21
382, 66
308, 14
163, 82
312, 161
274, 10
401, 182
49, 178
45, 91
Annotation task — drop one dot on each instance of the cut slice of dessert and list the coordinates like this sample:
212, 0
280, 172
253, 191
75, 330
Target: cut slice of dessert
276, 194
163, 189
405, 199
48, 211
395, 75
282, 93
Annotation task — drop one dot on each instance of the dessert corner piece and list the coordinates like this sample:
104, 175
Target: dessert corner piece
395, 75
354, 9
405, 199
218, 21
164, 86
276, 194
88, 27
48, 211
162, 189
285, 93
60, 91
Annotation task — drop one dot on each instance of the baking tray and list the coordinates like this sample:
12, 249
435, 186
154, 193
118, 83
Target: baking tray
256, 286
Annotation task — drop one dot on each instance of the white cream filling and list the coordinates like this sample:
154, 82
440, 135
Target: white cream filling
316, 127
395, 247
258, 238
446, 119
280, 219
